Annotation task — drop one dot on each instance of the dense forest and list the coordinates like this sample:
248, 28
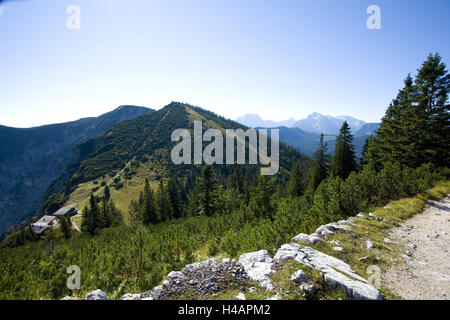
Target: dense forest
218, 210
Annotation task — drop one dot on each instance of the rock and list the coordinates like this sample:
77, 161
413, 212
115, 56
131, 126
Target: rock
379, 219
275, 297
339, 249
361, 215
363, 258
258, 266
240, 296
409, 253
130, 296
299, 277
387, 240
324, 231
175, 275
334, 271
369, 245
413, 246
335, 242
251, 289
371, 215
96, 295
68, 298
308, 288
306, 238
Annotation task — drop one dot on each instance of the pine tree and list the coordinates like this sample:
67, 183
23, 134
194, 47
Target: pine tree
149, 214
164, 208
415, 129
261, 204
107, 193
296, 185
66, 227
343, 161
433, 86
207, 190
319, 165
174, 195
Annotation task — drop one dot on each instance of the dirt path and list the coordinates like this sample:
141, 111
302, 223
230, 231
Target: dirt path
425, 271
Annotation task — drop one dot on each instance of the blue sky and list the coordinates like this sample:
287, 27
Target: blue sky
279, 59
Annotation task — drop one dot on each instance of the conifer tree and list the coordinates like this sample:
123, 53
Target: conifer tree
66, 227
343, 161
174, 195
319, 165
149, 213
207, 191
296, 185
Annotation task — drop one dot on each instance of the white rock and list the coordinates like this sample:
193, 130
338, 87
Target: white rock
306, 238
361, 215
339, 249
363, 258
175, 275
96, 295
131, 296
275, 297
258, 266
334, 271
369, 245
240, 296
371, 215
299, 277
336, 242
309, 288
67, 298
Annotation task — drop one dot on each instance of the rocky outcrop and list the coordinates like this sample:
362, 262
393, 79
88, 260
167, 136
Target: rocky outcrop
202, 278
258, 265
334, 271
209, 277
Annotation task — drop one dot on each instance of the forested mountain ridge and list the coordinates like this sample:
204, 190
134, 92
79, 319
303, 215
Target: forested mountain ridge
139, 149
31, 158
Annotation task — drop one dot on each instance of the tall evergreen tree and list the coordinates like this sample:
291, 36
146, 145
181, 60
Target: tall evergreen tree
66, 227
296, 185
343, 161
174, 195
207, 191
149, 213
319, 165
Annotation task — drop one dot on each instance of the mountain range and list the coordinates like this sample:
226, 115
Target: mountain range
31, 158
313, 123
46, 167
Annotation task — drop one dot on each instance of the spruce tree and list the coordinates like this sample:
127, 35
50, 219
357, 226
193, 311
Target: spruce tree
343, 161
66, 227
319, 165
174, 195
296, 185
149, 213
207, 191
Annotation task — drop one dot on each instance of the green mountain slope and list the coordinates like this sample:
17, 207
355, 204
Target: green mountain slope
31, 158
139, 149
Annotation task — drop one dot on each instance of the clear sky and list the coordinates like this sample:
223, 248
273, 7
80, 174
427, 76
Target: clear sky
277, 58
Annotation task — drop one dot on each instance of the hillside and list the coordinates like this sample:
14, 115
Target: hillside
139, 149
31, 158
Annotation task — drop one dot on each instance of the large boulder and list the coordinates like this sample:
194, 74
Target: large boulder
258, 266
306, 238
336, 272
